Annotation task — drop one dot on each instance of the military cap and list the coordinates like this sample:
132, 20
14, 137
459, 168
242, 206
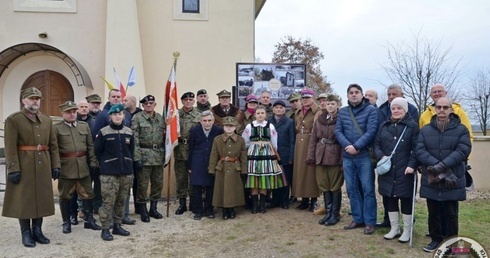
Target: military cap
31, 92
187, 95
307, 93
69, 105
224, 93
116, 108
147, 98
251, 98
294, 96
279, 102
322, 96
201, 91
229, 120
94, 98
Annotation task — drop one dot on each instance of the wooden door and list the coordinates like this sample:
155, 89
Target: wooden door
56, 89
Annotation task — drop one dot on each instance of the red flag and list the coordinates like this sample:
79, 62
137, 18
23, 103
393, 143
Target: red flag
172, 116
121, 87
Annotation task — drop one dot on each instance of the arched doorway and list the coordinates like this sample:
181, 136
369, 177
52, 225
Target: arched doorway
56, 89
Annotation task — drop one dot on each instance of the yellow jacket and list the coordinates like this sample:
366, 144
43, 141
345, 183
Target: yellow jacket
457, 109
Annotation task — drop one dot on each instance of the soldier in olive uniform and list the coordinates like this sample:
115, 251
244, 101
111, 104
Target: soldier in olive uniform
225, 108
228, 161
295, 102
114, 148
202, 101
188, 118
149, 155
31, 154
76, 148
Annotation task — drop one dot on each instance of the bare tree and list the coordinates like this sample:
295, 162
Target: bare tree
478, 98
291, 50
419, 64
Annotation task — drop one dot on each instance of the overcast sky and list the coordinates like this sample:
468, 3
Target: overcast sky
353, 35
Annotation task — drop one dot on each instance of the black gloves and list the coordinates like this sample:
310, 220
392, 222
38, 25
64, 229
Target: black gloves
94, 171
14, 177
138, 165
439, 168
55, 173
450, 180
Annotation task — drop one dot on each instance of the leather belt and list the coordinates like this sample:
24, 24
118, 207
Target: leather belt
230, 159
183, 140
154, 146
73, 154
33, 148
325, 141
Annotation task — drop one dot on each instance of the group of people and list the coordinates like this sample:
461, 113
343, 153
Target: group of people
227, 157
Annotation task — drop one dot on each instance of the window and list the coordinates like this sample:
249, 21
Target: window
190, 6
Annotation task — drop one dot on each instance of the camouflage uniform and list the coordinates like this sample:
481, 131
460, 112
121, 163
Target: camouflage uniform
187, 120
114, 191
148, 135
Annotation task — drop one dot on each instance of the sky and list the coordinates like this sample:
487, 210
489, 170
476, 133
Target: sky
353, 34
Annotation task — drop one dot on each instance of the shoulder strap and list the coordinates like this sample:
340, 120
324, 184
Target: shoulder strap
399, 139
355, 122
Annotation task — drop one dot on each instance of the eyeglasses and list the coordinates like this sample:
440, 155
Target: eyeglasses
149, 103
442, 107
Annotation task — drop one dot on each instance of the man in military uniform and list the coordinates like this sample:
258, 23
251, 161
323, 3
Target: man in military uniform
188, 118
32, 157
295, 103
203, 101
76, 154
225, 108
148, 129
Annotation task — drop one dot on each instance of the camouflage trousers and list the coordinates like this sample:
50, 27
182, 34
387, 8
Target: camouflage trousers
83, 186
182, 178
114, 191
154, 176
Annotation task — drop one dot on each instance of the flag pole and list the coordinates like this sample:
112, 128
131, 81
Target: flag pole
176, 56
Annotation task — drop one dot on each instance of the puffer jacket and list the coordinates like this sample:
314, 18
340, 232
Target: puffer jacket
324, 149
395, 183
286, 138
114, 148
452, 147
347, 133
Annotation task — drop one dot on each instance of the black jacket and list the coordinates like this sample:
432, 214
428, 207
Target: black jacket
451, 147
114, 148
395, 183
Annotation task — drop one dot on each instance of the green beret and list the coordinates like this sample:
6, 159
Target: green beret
69, 105
116, 108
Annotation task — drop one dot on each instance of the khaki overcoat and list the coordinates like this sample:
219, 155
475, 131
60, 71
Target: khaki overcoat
33, 196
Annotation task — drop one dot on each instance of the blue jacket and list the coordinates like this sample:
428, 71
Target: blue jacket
452, 147
347, 133
103, 119
384, 112
199, 152
114, 148
286, 138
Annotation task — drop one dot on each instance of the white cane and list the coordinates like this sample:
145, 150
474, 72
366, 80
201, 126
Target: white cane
413, 206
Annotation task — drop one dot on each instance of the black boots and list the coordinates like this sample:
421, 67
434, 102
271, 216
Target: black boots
304, 204
182, 207
144, 212
37, 233
65, 215
106, 235
335, 210
89, 221
262, 202
255, 200
118, 230
25, 230
153, 210
327, 197
313, 204
226, 213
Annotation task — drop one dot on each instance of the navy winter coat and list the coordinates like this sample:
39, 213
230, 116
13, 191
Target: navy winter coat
452, 147
346, 132
384, 112
286, 138
395, 183
199, 152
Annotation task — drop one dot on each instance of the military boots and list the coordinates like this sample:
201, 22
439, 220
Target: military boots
182, 207
25, 229
327, 196
153, 210
37, 233
89, 215
65, 215
144, 213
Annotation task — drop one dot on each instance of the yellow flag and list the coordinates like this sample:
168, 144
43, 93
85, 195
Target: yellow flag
109, 85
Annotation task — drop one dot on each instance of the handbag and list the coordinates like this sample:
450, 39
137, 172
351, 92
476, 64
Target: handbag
384, 164
370, 148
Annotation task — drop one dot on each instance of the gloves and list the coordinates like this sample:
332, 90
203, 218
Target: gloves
310, 163
433, 176
55, 173
450, 181
94, 171
14, 177
439, 168
138, 165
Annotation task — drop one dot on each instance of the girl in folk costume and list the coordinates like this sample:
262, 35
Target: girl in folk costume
264, 171
228, 161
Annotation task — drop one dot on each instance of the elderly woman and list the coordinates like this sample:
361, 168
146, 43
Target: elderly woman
325, 155
398, 183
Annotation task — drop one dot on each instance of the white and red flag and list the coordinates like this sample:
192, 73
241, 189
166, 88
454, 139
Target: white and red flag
120, 85
172, 116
